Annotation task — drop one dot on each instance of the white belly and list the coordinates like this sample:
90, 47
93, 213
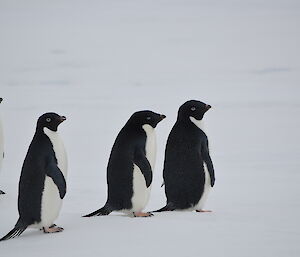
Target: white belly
141, 193
51, 202
207, 187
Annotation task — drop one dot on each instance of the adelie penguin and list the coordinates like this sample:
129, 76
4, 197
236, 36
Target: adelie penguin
130, 166
188, 169
42, 183
1, 146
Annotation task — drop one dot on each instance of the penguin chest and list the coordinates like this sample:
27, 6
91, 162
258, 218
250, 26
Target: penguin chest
59, 150
141, 193
207, 187
150, 145
51, 202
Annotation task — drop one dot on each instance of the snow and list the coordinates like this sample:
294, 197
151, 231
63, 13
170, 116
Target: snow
97, 62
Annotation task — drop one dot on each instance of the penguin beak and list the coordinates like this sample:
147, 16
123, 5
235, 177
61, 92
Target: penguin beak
62, 118
162, 117
208, 107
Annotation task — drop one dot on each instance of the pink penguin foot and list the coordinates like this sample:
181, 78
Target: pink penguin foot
142, 214
53, 229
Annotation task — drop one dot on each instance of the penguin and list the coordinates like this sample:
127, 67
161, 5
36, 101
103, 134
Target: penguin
188, 169
130, 166
1, 145
42, 184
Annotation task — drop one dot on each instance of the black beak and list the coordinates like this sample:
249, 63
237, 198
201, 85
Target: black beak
162, 117
208, 107
62, 118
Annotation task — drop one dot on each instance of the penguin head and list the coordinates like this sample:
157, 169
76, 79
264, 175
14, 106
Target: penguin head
1, 99
193, 108
50, 120
146, 118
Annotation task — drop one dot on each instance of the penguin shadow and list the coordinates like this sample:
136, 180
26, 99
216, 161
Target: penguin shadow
119, 215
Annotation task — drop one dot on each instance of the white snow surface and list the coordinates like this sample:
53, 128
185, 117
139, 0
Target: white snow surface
97, 62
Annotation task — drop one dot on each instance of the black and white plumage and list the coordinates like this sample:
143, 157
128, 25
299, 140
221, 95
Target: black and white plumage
130, 166
1, 145
42, 184
188, 169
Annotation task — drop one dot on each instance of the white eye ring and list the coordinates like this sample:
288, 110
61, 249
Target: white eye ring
193, 108
148, 118
48, 119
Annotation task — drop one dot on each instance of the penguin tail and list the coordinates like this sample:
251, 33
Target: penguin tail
105, 210
168, 207
15, 232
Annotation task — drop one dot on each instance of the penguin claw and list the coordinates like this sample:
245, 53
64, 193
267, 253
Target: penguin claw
143, 214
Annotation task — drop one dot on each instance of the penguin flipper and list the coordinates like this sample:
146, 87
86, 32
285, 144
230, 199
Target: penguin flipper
105, 210
208, 161
16, 231
58, 178
168, 207
142, 162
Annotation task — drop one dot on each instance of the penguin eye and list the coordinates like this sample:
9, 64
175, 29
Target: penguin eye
48, 119
193, 108
148, 118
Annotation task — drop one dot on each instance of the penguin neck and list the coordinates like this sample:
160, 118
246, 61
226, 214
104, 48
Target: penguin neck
41, 130
191, 123
49, 131
198, 123
148, 129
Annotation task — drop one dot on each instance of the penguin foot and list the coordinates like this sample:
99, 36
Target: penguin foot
142, 214
53, 229
203, 211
